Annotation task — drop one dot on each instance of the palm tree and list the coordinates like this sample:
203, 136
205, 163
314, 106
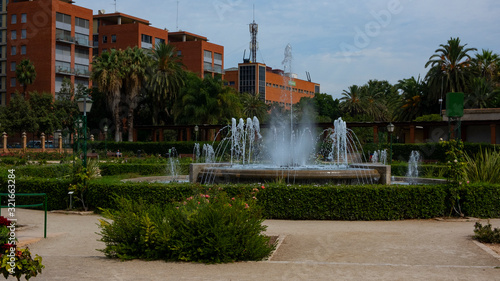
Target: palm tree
167, 78
487, 65
25, 73
481, 95
413, 95
107, 74
450, 68
134, 73
351, 100
253, 106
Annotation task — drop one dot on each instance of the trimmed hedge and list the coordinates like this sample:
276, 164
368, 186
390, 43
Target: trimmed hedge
152, 148
428, 151
425, 170
357, 202
108, 169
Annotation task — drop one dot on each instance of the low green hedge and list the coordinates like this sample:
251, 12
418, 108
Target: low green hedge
357, 202
108, 169
428, 151
425, 170
151, 148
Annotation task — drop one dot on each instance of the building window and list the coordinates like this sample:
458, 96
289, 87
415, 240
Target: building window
24, 18
179, 53
83, 23
13, 50
81, 39
13, 66
60, 17
147, 39
113, 38
159, 41
12, 82
13, 35
23, 50
104, 39
23, 33
13, 19
207, 56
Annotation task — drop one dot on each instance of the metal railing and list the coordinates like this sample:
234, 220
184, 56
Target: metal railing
44, 204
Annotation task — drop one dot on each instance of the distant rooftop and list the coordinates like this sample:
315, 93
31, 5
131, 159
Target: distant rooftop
183, 36
117, 17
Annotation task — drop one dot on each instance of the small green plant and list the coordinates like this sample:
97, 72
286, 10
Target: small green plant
81, 178
486, 234
483, 167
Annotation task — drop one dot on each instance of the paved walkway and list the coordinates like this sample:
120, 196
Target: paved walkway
309, 250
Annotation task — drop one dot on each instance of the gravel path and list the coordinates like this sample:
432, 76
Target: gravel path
308, 250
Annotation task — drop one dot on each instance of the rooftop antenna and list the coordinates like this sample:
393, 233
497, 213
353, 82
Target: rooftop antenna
254, 45
177, 18
115, 6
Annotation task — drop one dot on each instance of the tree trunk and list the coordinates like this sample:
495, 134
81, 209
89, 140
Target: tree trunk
117, 125
131, 125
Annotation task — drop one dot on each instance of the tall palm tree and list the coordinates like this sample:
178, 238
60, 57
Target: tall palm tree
352, 100
487, 65
134, 72
107, 74
25, 73
481, 94
413, 97
167, 78
450, 68
253, 106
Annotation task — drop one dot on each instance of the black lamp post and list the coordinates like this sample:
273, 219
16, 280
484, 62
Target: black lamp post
105, 129
390, 130
84, 105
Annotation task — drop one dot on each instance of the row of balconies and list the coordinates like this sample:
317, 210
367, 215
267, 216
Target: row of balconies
72, 71
72, 40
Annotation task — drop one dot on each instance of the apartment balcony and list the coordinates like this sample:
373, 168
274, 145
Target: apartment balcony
65, 38
83, 42
65, 70
82, 73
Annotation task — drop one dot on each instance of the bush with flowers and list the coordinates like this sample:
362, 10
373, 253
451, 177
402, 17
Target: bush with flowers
16, 261
208, 227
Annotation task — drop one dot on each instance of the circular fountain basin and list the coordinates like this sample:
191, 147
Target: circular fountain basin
306, 174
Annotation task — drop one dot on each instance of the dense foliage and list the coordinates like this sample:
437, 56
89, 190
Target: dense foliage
209, 227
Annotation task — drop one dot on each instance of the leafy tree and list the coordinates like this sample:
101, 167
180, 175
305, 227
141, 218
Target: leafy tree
450, 69
42, 107
18, 116
352, 100
135, 67
413, 92
487, 65
25, 73
167, 79
254, 106
206, 101
481, 95
108, 75
327, 107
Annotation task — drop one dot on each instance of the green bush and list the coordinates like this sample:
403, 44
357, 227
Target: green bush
483, 167
480, 200
486, 234
425, 170
108, 169
149, 148
209, 228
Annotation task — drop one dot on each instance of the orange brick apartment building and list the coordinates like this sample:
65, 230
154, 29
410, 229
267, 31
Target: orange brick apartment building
198, 55
54, 35
273, 85
119, 31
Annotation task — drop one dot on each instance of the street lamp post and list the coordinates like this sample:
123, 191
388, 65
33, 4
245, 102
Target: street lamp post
196, 129
84, 105
106, 139
390, 130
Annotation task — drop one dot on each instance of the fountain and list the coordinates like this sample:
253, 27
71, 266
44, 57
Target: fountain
287, 152
412, 174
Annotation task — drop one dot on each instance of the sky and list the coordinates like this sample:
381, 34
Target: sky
339, 42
